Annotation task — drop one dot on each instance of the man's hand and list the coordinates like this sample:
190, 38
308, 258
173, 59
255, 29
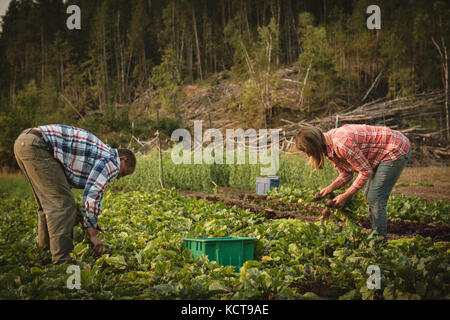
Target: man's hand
99, 247
340, 200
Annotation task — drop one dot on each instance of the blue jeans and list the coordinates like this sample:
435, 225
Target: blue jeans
378, 189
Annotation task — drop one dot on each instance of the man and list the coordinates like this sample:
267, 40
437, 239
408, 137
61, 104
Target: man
377, 154
56, 158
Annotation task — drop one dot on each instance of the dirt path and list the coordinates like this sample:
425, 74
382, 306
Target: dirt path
432, 183
275, 209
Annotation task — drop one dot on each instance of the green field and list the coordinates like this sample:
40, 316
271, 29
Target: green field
144, 229
292, 170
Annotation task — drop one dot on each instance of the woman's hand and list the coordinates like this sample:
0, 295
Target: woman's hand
340, 200
323, 193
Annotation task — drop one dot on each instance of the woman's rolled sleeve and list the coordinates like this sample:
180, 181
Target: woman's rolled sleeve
359, 182
360, 164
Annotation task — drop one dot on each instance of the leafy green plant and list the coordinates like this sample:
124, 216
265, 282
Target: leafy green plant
145, 232
399, 207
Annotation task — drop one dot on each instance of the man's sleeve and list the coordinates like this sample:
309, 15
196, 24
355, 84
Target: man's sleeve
102, 173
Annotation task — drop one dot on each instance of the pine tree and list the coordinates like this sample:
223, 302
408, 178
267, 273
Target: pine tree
320, 78
98, 64
166, 77
137, 39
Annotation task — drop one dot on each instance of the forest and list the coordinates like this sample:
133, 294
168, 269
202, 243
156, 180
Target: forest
128, 49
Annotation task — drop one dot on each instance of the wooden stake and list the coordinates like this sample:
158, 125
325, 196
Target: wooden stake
161, 172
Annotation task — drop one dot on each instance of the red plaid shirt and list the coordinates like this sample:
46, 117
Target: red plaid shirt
360, 148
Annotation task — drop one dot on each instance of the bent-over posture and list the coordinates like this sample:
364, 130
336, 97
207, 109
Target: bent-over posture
56, 158
377, 154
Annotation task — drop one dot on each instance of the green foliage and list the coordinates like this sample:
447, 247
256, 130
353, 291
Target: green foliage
259, 95
15, 187
113, 126
401, 79
237, 36
320, 77
399, 207
18, 116
145, 232
251, 105
167, 79
122, 40
292, 170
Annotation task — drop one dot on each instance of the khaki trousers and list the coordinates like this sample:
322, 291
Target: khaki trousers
57, 210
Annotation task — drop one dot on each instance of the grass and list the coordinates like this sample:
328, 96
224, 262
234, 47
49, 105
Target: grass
17, 186
293, 170
200, 177
204, 177
408, 184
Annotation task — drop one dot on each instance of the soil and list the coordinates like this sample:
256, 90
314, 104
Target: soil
432, 183
276, 209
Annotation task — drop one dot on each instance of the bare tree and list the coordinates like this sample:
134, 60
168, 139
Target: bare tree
442, 49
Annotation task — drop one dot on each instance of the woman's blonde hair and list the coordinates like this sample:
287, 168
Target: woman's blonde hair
312, 141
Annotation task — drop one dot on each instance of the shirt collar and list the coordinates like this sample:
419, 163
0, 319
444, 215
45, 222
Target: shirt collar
117, 158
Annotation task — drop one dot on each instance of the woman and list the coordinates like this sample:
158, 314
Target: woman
378, 154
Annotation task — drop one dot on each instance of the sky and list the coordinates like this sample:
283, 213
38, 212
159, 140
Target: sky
3, 7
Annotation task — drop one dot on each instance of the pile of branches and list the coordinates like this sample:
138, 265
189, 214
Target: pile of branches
390, 113
396, 114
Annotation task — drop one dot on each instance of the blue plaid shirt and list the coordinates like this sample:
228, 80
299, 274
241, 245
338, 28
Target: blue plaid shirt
88, 164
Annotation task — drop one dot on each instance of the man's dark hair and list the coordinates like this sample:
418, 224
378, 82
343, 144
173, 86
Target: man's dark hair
130, 160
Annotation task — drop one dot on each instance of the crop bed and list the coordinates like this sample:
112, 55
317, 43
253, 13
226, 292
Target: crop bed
282, 204
294, 258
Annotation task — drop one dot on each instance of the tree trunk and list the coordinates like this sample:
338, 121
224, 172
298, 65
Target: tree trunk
358, 69
174, 40
446, 93
205, 40
180, 57
349, 75
127, 74
224, 23
62, 73
442, 50
199, 61
289, 39
161, 171
12, 87
105, 67
42, 56
119, 59
268, 118
189, 59
277, 40
304, 84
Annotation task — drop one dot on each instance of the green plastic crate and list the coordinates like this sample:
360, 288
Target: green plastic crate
226, 251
